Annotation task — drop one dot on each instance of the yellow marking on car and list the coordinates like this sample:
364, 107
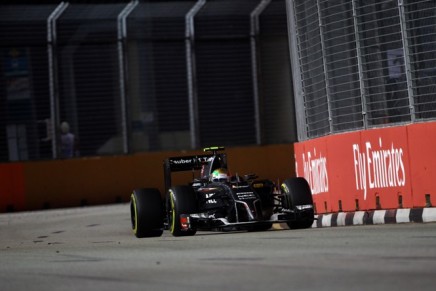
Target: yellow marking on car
173, 222
135, 228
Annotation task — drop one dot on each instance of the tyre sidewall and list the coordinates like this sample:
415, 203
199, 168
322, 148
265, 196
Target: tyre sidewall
146, 212
180, 200
297, 192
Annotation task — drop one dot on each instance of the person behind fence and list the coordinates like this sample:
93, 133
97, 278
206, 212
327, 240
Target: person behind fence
68, 142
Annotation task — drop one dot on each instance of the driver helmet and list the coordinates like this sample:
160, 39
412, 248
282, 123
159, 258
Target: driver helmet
220, 175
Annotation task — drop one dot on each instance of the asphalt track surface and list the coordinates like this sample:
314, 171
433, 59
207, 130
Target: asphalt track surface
92, 248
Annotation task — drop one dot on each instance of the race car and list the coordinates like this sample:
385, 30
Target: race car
217, 200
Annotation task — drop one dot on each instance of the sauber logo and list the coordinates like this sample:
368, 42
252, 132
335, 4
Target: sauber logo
378, 168
315, 171
182, 161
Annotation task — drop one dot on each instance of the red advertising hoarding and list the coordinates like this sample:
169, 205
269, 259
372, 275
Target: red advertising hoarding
310, 162
422, 151
383, 168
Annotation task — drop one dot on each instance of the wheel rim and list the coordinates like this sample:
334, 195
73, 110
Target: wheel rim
172, 213
133, 213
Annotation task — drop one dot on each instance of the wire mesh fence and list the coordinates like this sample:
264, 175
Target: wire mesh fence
129, 76
362, 64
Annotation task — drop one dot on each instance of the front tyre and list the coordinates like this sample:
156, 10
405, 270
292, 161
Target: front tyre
180, 200
146, 212
297, 196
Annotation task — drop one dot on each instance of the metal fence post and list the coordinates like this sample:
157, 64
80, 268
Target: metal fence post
406, 55
325, 68
360, 67
294, 52
191, 72
122, 62
254, 34
53, 74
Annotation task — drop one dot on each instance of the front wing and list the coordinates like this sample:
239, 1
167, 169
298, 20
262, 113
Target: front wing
203, 222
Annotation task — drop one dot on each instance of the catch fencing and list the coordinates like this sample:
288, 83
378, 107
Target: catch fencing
362, 64
136, 76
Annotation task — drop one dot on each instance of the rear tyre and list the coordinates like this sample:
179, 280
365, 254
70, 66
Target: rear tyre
180, 200
146, 212
296, 192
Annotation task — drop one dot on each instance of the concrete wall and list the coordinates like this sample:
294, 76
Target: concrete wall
384, 168
110, 179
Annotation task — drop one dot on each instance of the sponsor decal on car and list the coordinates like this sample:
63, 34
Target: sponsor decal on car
246, 195
182, 161
209, 199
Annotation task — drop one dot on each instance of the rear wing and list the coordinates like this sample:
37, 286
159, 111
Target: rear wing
186, 163
192, 163
179, 164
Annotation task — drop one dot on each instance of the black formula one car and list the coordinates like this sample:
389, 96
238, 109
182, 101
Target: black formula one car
218, 201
